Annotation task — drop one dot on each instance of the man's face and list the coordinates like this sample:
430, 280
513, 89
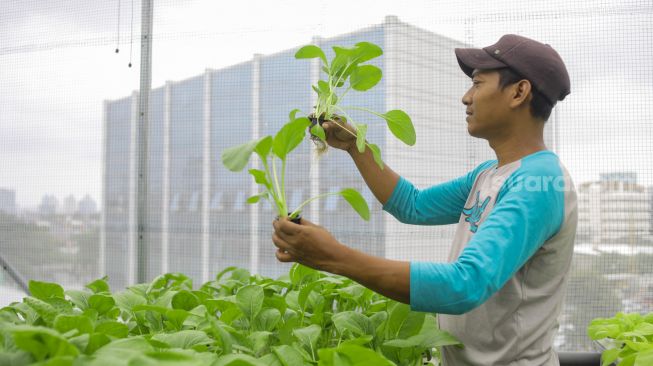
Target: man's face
487, 105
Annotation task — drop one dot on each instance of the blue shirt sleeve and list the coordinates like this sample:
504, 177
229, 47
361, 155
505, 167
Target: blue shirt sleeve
437, 205
520, 222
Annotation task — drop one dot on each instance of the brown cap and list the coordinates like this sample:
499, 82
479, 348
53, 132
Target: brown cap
535, 61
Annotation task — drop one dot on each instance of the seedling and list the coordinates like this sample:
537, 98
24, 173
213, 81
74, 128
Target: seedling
346, 71
271, 151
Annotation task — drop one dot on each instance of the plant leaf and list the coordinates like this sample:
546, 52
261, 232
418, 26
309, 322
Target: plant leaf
250, 300
79, 298
42, 342
365, 77
357, 202
376, 153
101, 303
263, 147
361, 131
311, 51
351, 354
301, 274
292, 114
289, 137
236, 158
267, 319
288, 355
340, 65
401, 126
185, 300
257, 197
184, 339
260, 177
46, 311
64, 323
323, 87
308, 336
238, 360
113, 328
126, 300
366, 51
45, 290
318, 131
354, 322
100, 285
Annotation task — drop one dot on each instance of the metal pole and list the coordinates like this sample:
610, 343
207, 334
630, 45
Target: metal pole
143, 125
18, 278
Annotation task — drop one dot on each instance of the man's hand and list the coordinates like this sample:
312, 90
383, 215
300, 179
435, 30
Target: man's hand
340, 135
315, 247
307, 243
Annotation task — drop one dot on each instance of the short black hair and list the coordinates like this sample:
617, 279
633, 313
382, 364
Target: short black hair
540, 106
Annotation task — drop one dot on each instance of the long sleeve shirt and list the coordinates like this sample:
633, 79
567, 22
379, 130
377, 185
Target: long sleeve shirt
502, 289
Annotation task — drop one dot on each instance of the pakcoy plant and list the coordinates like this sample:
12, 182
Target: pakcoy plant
303, 318
275, 150
344, 73
627, 339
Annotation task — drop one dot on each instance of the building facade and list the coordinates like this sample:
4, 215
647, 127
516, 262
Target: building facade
7, 201
614, 210
198, 221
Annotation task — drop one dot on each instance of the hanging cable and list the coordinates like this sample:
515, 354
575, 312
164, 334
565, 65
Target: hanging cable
118, 32
131, 36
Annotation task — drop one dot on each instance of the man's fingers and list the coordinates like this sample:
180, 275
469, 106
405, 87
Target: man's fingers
284, 225
305, 222
283, 256
280, 243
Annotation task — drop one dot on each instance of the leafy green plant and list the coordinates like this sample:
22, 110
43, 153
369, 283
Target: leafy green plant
628, 339
271, 151
344, 73
303, 318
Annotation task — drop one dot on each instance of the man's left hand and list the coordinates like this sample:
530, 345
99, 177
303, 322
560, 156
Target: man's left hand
306, 243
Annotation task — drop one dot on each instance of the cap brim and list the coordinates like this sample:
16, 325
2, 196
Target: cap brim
476, 58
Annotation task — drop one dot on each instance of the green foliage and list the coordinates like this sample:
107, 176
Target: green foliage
347, 71
304, 318
272, 181
629, 338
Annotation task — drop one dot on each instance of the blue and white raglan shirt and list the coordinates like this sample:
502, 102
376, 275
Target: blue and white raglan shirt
502, 289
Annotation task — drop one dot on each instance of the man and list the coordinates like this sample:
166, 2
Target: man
502, 289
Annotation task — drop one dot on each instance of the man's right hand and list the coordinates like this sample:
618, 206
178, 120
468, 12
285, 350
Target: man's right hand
382, 182
340, 135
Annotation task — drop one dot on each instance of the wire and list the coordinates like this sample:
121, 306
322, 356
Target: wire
131, 36
118, 32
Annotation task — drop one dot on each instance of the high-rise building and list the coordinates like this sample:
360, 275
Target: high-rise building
49, 205
614, 210
7, 201
197, 220
87, 206
69, 206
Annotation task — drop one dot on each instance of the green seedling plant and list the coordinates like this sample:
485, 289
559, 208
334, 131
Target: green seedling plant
303, 318
275, 150
627, 339
344, 73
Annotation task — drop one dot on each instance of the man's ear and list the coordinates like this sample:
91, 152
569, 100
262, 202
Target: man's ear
520, 93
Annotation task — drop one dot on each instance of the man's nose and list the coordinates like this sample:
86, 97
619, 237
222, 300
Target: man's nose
467, 99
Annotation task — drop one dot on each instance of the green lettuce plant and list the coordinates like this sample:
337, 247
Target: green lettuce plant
344, 73
275, 150
305, 318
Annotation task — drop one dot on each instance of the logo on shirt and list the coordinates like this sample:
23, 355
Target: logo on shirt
474, 213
